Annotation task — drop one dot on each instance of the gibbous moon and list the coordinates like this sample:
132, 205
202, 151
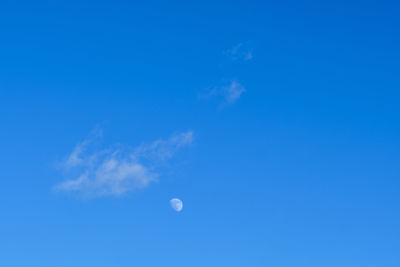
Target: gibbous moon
176, 204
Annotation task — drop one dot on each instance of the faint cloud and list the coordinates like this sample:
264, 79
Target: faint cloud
118, 170
164, 149
228, 93
248, 56
233, 91
74, 159
240, 51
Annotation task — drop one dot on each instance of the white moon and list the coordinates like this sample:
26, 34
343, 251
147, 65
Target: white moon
176, 204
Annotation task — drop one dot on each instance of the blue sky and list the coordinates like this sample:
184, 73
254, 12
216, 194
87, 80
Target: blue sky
275, 122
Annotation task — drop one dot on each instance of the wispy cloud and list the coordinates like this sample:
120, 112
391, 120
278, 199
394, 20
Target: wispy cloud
228, 93
232, 92
240, 51
118, 170
74, 159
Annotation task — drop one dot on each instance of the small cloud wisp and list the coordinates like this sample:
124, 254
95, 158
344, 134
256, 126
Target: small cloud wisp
229, 93
240, 52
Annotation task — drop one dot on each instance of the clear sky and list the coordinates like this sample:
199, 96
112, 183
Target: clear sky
275, 122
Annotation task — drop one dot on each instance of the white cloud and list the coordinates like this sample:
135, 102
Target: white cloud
74, 159
117, 171
229, 93
240, 51
164, 149
233, 91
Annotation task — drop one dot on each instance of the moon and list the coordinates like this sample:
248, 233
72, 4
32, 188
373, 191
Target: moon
176, 204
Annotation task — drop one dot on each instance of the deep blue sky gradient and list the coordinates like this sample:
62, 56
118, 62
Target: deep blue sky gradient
303, 170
